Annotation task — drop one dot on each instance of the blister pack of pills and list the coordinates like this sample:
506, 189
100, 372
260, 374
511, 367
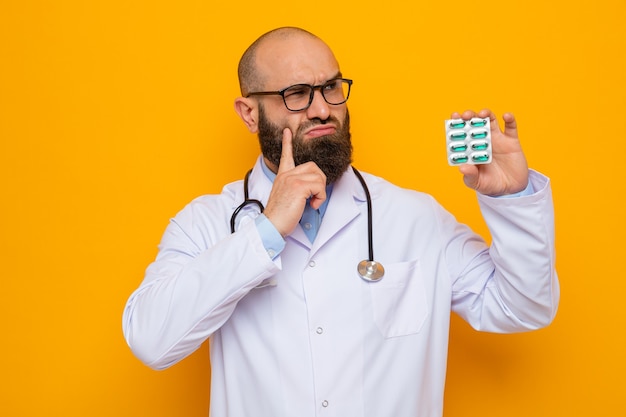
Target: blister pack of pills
468, 141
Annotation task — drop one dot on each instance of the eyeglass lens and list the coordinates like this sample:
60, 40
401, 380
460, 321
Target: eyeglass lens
300, 96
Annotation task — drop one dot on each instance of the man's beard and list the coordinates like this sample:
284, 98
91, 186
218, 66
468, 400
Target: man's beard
331, 153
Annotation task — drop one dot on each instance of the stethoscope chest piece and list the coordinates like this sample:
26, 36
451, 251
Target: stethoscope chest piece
371, 271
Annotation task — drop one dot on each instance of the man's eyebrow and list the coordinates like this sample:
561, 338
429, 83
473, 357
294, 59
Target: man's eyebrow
338, 74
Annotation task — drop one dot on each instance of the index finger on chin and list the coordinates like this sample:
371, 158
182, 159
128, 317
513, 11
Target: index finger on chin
286, 157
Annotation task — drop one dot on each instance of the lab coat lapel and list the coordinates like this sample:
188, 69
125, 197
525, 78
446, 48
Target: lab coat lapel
342, 208
259, 187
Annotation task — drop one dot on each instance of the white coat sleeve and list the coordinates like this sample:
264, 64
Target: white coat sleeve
192, 288
522, 289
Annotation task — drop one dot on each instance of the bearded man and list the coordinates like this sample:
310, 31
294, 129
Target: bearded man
297, 328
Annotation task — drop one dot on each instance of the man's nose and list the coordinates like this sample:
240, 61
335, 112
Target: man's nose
319, 108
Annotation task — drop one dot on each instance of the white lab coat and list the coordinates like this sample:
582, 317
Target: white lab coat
304, 335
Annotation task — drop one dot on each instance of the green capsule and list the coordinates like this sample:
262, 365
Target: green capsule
479, 135
480, 146
459, 159
483, 157
458, 147
478, 123
458, 135
457, 124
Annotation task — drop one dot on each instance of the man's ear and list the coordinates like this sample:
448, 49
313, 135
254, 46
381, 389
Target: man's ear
248, 110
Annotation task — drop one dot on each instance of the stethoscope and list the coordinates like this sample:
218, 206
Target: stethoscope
369, 269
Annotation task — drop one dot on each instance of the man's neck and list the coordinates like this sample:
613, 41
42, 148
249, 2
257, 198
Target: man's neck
270, 166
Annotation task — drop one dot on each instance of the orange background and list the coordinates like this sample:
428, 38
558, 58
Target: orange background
114, 114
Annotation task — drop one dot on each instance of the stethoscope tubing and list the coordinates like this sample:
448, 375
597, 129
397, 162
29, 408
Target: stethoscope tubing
246, 201
368, 200
369, 270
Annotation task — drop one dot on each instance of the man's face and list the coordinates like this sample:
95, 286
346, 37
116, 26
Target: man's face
321, 132
332, 152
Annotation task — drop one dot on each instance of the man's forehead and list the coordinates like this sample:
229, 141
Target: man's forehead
294, 59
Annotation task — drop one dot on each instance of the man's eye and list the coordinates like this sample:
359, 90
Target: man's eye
332, 85
296, 92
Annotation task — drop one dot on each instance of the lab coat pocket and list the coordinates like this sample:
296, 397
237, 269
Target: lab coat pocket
399, 300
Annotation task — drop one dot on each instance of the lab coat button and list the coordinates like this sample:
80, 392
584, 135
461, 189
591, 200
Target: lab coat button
319, 330
312, 264
324, 403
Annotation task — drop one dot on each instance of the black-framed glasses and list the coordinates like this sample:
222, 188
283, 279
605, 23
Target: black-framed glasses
300, 96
